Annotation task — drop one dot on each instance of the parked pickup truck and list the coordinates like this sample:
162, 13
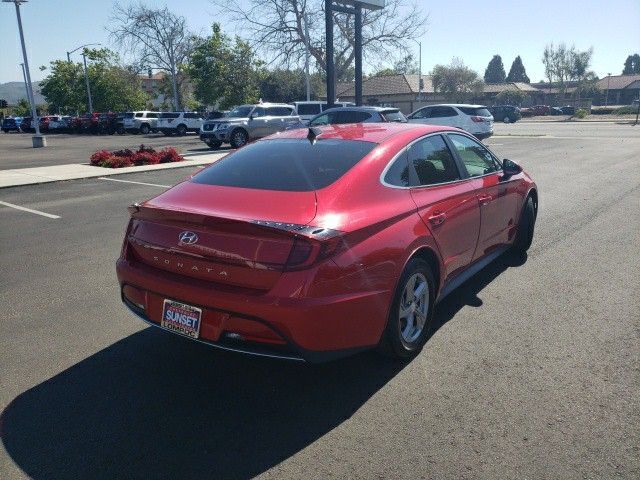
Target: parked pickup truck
248, 122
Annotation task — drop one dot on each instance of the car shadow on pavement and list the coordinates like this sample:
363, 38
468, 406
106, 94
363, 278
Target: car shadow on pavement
154, 405
467, 293
157, 406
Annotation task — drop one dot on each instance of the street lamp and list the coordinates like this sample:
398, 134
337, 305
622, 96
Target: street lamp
606, 97
420, 82
38, 140
86, 77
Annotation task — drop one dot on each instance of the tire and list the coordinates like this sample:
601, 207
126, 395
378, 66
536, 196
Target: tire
145, 129
121, 130
181, 130
214, 144
526, 227
506, 119
5, 130
238, 138
403, 340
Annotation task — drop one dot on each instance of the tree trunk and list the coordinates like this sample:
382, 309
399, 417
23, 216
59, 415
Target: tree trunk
174, 85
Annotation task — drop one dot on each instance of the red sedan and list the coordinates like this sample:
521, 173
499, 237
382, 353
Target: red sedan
314, 244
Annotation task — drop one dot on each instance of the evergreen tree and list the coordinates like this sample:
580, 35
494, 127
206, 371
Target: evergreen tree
495, 71
517, 73
632, 65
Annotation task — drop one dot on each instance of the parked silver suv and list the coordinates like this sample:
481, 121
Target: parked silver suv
246, 123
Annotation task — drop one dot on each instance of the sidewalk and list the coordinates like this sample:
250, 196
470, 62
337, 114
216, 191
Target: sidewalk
56, 173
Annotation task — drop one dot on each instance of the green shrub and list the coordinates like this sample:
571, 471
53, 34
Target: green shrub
628, 110
581, 113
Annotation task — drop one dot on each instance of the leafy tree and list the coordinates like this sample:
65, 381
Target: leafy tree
158, 37
113, 87
288, 85
277, 29
511, 97
517, 73
495, 71
406, 64
22, 108
457, 81
632, 64
562, 64
224, 71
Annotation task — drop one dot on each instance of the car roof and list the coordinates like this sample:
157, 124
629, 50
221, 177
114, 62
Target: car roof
367, 132
464, 105
364, 108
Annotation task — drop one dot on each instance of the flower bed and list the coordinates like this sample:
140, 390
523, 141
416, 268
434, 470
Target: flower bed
129, 158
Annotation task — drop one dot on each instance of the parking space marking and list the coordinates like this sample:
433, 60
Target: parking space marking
137, 183
25, 209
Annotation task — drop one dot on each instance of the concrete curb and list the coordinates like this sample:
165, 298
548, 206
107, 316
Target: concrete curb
58, 173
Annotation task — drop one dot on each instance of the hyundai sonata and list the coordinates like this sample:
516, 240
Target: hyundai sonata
317, 243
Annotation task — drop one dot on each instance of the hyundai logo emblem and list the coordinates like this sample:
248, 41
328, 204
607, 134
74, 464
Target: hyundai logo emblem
188, 237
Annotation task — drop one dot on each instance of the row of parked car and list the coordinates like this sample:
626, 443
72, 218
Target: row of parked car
250, 122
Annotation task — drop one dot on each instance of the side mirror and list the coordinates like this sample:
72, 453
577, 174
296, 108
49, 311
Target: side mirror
510, 168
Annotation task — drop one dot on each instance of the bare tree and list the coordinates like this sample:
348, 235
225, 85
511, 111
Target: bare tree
563, 64
157, 37
277, 28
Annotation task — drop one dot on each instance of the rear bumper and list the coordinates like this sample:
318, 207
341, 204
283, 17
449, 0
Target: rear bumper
304, 329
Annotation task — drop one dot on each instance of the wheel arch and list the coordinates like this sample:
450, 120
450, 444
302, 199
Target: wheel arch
533, 193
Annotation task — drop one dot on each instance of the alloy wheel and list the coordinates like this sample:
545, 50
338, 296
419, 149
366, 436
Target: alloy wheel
413, 309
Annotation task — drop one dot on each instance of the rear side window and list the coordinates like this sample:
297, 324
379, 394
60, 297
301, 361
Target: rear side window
308, 109
152, 115
432, 161
394, 116
443, 112
279, 111
352, 117
476, 112
169, 115
286, 164
398, 173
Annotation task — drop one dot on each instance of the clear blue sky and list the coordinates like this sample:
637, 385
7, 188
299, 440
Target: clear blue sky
470, 29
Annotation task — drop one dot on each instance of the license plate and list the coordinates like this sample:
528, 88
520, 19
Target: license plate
181, 318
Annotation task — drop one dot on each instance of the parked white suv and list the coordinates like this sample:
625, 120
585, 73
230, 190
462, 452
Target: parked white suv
140, 122
475, 119
179, 122
307, 110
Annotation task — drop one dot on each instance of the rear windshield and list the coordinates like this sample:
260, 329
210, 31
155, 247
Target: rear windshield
286, 164
169, 115
308, 109
394, 116
477, 112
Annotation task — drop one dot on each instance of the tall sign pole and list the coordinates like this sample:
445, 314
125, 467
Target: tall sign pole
350, 7
37, 140
331, 72
358, 53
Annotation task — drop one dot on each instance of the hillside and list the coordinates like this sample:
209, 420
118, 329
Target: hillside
14, 91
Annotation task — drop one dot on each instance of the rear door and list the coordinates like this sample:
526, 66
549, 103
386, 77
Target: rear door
446, 202
443, 115
498, 196
278, 118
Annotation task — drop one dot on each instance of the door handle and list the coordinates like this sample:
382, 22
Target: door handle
485, 199
437, 219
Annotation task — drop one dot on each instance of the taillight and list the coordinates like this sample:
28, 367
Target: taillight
310, 245
477, 119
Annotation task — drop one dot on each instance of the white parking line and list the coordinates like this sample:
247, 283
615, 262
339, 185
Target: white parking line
137, 183
25, 209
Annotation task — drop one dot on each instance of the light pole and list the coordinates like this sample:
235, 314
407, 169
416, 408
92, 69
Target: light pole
606, 97
38, 140
420, 82
86, 76
24, 76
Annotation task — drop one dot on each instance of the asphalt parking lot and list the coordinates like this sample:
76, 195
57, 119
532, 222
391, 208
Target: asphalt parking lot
16, 150
533, 370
